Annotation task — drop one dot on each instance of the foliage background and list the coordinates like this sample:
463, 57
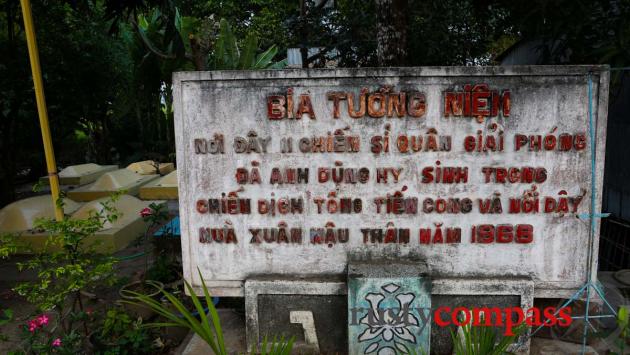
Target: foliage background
106, 88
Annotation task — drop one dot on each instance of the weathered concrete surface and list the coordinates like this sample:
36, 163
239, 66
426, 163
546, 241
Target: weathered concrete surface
233, 325
164, 188
544, 100
541, 346
264, 298
81, 174
148, 167
267, 316
114, 236
441, 341
327, 312
111, 182
20, 216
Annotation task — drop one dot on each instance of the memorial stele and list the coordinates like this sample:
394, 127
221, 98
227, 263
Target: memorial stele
480, 172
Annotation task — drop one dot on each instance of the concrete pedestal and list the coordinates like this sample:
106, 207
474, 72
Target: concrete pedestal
311, 310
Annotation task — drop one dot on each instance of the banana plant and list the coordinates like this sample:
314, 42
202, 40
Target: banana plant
228, 55
196, 41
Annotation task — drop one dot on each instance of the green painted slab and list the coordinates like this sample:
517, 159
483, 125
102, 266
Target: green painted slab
388, 315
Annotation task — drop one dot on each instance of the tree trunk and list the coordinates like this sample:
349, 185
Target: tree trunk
303, 34
199, 55
391, 32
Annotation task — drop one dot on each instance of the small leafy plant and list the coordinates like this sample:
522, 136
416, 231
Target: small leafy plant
9, 245
623, 327
69, 265
120, 334
207, 327
39, 337
5, 318
164, 269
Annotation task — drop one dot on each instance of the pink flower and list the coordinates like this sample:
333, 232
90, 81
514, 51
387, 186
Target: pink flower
56, 343
146, 212
32, 326
42, 320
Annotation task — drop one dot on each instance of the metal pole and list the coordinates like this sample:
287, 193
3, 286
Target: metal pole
33, 54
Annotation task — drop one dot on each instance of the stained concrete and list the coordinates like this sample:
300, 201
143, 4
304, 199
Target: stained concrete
21, 215
329, 314
233, 104
164, 188
114, 236
233, 324
81, 174
148, 167
110, 183
441, 341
